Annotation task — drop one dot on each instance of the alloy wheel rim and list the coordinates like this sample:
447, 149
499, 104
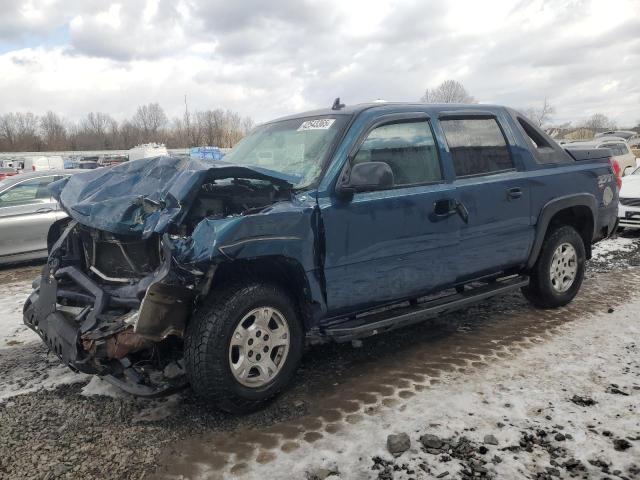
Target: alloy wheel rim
564, 267
259, 347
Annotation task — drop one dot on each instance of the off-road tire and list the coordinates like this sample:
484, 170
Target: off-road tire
540, 291
207, 343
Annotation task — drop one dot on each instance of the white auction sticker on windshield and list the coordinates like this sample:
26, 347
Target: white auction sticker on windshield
320, 124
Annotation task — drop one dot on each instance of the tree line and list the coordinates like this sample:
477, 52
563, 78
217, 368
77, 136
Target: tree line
452, 91
20, 131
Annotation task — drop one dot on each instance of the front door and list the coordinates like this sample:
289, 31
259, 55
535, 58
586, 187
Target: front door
26, 213
388, 245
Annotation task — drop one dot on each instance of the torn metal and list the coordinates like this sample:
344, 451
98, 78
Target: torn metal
127, 270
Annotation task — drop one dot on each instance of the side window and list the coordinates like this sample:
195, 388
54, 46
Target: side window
534, 135
477, 146
616, 148
28, 192
408, 148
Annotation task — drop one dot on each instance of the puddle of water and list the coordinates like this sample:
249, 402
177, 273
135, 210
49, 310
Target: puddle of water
471, 340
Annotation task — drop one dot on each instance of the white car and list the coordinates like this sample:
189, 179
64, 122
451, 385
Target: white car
619, 151
629, 208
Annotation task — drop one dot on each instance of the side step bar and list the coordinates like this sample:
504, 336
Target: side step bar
375, 323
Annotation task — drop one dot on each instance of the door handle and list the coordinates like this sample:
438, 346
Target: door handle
44, 210
449, 206
514, 193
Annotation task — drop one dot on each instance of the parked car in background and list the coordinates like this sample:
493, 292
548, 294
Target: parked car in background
7, 172
42, 162
148, 150
208, 153
112, 160
27, 210
618, 147
629, 208
621, 153
306, 229
624, 134
87, 164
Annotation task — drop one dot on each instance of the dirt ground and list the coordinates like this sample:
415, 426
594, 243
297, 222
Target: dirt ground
55, 424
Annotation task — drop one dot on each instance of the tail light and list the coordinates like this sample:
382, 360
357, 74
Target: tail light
617, 171
33, 167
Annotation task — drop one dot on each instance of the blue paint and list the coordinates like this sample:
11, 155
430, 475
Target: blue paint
359, 253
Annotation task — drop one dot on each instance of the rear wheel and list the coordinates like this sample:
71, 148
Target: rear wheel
243, 346
558, 273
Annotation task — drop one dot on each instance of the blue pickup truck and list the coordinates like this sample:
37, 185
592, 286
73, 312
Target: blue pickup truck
330, 225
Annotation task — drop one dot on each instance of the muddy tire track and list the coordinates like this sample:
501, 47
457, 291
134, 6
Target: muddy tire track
390, 370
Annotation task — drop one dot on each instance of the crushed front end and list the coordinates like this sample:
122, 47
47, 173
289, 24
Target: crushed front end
114, 306
139, 251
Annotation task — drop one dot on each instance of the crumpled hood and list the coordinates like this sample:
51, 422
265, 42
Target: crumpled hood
145, 196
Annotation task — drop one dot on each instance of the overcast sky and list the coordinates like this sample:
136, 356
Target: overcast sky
266, 58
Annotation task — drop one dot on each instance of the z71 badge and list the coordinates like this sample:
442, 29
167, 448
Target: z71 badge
604, 180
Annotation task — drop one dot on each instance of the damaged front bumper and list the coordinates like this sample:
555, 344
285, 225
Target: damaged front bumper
128, 333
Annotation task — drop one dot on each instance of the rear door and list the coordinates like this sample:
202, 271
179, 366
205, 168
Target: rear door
26, 212
495, 192
388, 245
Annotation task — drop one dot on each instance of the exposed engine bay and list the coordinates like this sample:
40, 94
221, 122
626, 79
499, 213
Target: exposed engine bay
238, 196
117, 305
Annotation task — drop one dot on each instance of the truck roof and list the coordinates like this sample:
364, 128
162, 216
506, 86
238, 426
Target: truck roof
433, 108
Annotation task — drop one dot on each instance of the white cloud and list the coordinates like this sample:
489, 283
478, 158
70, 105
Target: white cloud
270, 58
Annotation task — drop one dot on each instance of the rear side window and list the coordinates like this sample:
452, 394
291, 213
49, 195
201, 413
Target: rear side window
616, 148
407, 147
477, 146
536, 138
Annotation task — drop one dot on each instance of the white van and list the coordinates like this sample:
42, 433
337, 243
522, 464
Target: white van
41, 162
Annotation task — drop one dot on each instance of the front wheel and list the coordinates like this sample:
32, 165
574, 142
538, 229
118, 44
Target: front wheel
243, 346
558, 273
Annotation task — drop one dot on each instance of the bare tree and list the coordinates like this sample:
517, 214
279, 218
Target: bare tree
540, 115
212, 125
599, 121
150, 119
449, 91
129, 135
19, 131
98, 131
95, 131
8, 131
54, 131
247, 125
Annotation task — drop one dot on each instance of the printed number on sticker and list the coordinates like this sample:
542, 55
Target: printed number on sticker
321, 124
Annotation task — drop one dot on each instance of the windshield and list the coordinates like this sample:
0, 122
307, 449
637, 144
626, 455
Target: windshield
297, 147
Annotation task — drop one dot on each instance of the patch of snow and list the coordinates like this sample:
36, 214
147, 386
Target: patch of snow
24, 363
530, 391
12, 331
99, 387
27, 383
610, 246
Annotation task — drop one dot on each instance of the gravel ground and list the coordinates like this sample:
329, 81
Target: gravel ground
52, 426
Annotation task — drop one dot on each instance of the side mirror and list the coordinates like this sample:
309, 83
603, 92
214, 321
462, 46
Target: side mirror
368, 176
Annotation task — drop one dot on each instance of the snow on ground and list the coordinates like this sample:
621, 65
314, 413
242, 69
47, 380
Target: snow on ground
613, 245
12, 330
24, 360
48, 375
525, 394
97, 386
